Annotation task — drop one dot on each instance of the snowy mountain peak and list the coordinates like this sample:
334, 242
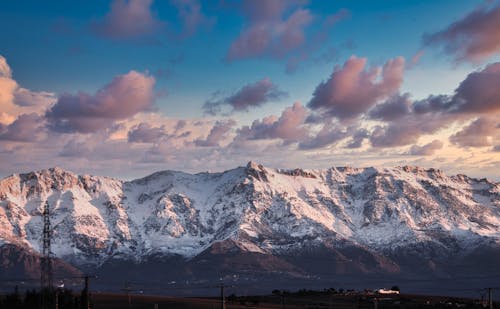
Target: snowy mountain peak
255, 208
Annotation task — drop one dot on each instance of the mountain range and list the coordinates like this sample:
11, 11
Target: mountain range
256, 226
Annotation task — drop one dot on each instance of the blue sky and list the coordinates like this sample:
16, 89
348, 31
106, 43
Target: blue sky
189, 50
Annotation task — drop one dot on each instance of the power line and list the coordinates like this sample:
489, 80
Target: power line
45, 260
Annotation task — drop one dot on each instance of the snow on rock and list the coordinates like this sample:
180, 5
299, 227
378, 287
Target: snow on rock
260, 209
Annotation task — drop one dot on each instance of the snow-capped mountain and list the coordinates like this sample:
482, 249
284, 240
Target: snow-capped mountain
374, 219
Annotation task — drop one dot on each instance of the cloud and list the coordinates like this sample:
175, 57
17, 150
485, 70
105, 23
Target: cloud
26, 128
191, 16
476, 95
394, 108
251, 95
317, 42
352, 89
217, 134
407, 130
8, 87
481, 132
127, 19
416, 58
26, 97
5, 70
332, 19
328, 135
427, 149
270, 30
433, 103
75, 149
475, 37
288, 127
357, 139
144, 133
125, 96
480, 91
15, 100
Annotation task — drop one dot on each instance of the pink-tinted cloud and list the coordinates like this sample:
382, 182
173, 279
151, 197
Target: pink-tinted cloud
128, 19
26, 128
478, 93
124, 97
191, 15
26, 97
144, 133
288, 127
407, 130
427, 149
416, 58
481, 132
8, 87
251, 95
270, 30
15, 100
316, 42
217, 134
331, 20
353, 89
5, 70
473, 38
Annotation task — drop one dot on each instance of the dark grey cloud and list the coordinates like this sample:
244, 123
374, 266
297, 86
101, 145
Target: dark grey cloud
328, 135
251, 95
357, 138
395, 107
75, 148
480, 91
427, 149
144, 133
217, 134
433, 103
26, 128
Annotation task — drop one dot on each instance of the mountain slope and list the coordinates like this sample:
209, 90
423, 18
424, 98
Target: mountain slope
356, 220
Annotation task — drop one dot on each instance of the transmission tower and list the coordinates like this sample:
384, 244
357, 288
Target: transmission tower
46, 261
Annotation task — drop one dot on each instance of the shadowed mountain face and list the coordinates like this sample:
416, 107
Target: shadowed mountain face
253, 223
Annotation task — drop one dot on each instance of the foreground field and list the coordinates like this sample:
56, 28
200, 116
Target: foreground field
109, 301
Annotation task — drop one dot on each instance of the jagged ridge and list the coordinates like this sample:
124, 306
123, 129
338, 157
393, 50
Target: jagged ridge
382, 211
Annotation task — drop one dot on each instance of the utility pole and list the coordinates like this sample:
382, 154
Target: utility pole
490, 298
45, 260
127, 290
222, 300
87, 294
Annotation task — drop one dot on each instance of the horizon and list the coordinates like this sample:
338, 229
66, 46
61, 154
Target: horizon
125, 88
244, 165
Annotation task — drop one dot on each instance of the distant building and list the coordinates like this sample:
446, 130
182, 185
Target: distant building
387, 292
